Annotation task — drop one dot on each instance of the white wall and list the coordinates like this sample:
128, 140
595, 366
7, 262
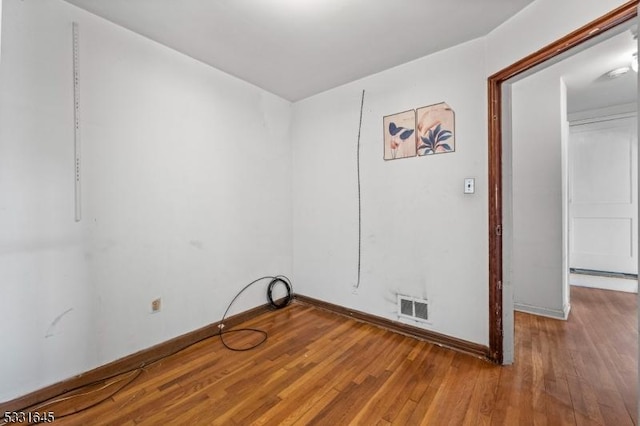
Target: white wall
325, 204
538, 258
186, 194
421, 236
564, 160
188, 183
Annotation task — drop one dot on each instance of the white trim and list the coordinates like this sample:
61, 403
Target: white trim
561, 314
603, 114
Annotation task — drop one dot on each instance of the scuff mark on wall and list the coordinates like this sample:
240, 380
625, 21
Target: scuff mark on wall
55, 322
197, 244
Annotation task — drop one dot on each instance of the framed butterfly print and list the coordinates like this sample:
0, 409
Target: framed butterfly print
399, 135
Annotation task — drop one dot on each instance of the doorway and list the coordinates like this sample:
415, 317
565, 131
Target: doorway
573, 183
501, 332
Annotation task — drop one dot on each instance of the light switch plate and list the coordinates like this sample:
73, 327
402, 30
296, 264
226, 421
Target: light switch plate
469, 186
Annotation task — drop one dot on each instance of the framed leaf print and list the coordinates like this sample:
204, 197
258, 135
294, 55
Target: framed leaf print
399, 135
435, 129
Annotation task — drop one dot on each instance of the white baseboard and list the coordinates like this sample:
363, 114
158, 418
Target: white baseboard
561, 314
605, 283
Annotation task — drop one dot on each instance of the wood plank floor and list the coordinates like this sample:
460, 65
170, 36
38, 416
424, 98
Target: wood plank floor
325, 369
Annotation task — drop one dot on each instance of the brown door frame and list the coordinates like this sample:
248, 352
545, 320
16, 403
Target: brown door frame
595, 28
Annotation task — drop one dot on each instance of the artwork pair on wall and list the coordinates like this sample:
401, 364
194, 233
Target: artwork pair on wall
425, 131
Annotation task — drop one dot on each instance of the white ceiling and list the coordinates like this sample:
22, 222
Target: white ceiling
584, 73
298, 48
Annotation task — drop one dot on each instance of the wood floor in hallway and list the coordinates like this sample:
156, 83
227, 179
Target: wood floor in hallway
321, 368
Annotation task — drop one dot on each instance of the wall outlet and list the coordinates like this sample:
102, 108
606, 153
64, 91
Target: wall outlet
156, 305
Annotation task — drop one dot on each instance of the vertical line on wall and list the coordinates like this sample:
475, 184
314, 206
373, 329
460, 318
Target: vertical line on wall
359, 194
76, 119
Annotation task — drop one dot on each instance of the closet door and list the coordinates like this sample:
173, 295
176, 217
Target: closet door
603, 196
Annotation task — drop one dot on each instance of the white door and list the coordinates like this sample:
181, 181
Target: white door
603, 209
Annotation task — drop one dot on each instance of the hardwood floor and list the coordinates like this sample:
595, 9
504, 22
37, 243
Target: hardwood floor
325, 369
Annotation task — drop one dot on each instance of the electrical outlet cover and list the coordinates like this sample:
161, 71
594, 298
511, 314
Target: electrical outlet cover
156, 305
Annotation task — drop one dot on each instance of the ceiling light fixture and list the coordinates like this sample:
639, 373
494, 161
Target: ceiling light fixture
615, 73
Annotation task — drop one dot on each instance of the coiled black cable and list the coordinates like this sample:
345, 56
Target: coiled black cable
273, 303
276, 304
285, 300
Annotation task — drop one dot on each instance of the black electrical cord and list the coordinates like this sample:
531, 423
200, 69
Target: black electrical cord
285, 300
274, 304
58, 400
359, 195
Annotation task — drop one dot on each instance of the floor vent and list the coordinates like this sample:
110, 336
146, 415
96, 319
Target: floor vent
413, 308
